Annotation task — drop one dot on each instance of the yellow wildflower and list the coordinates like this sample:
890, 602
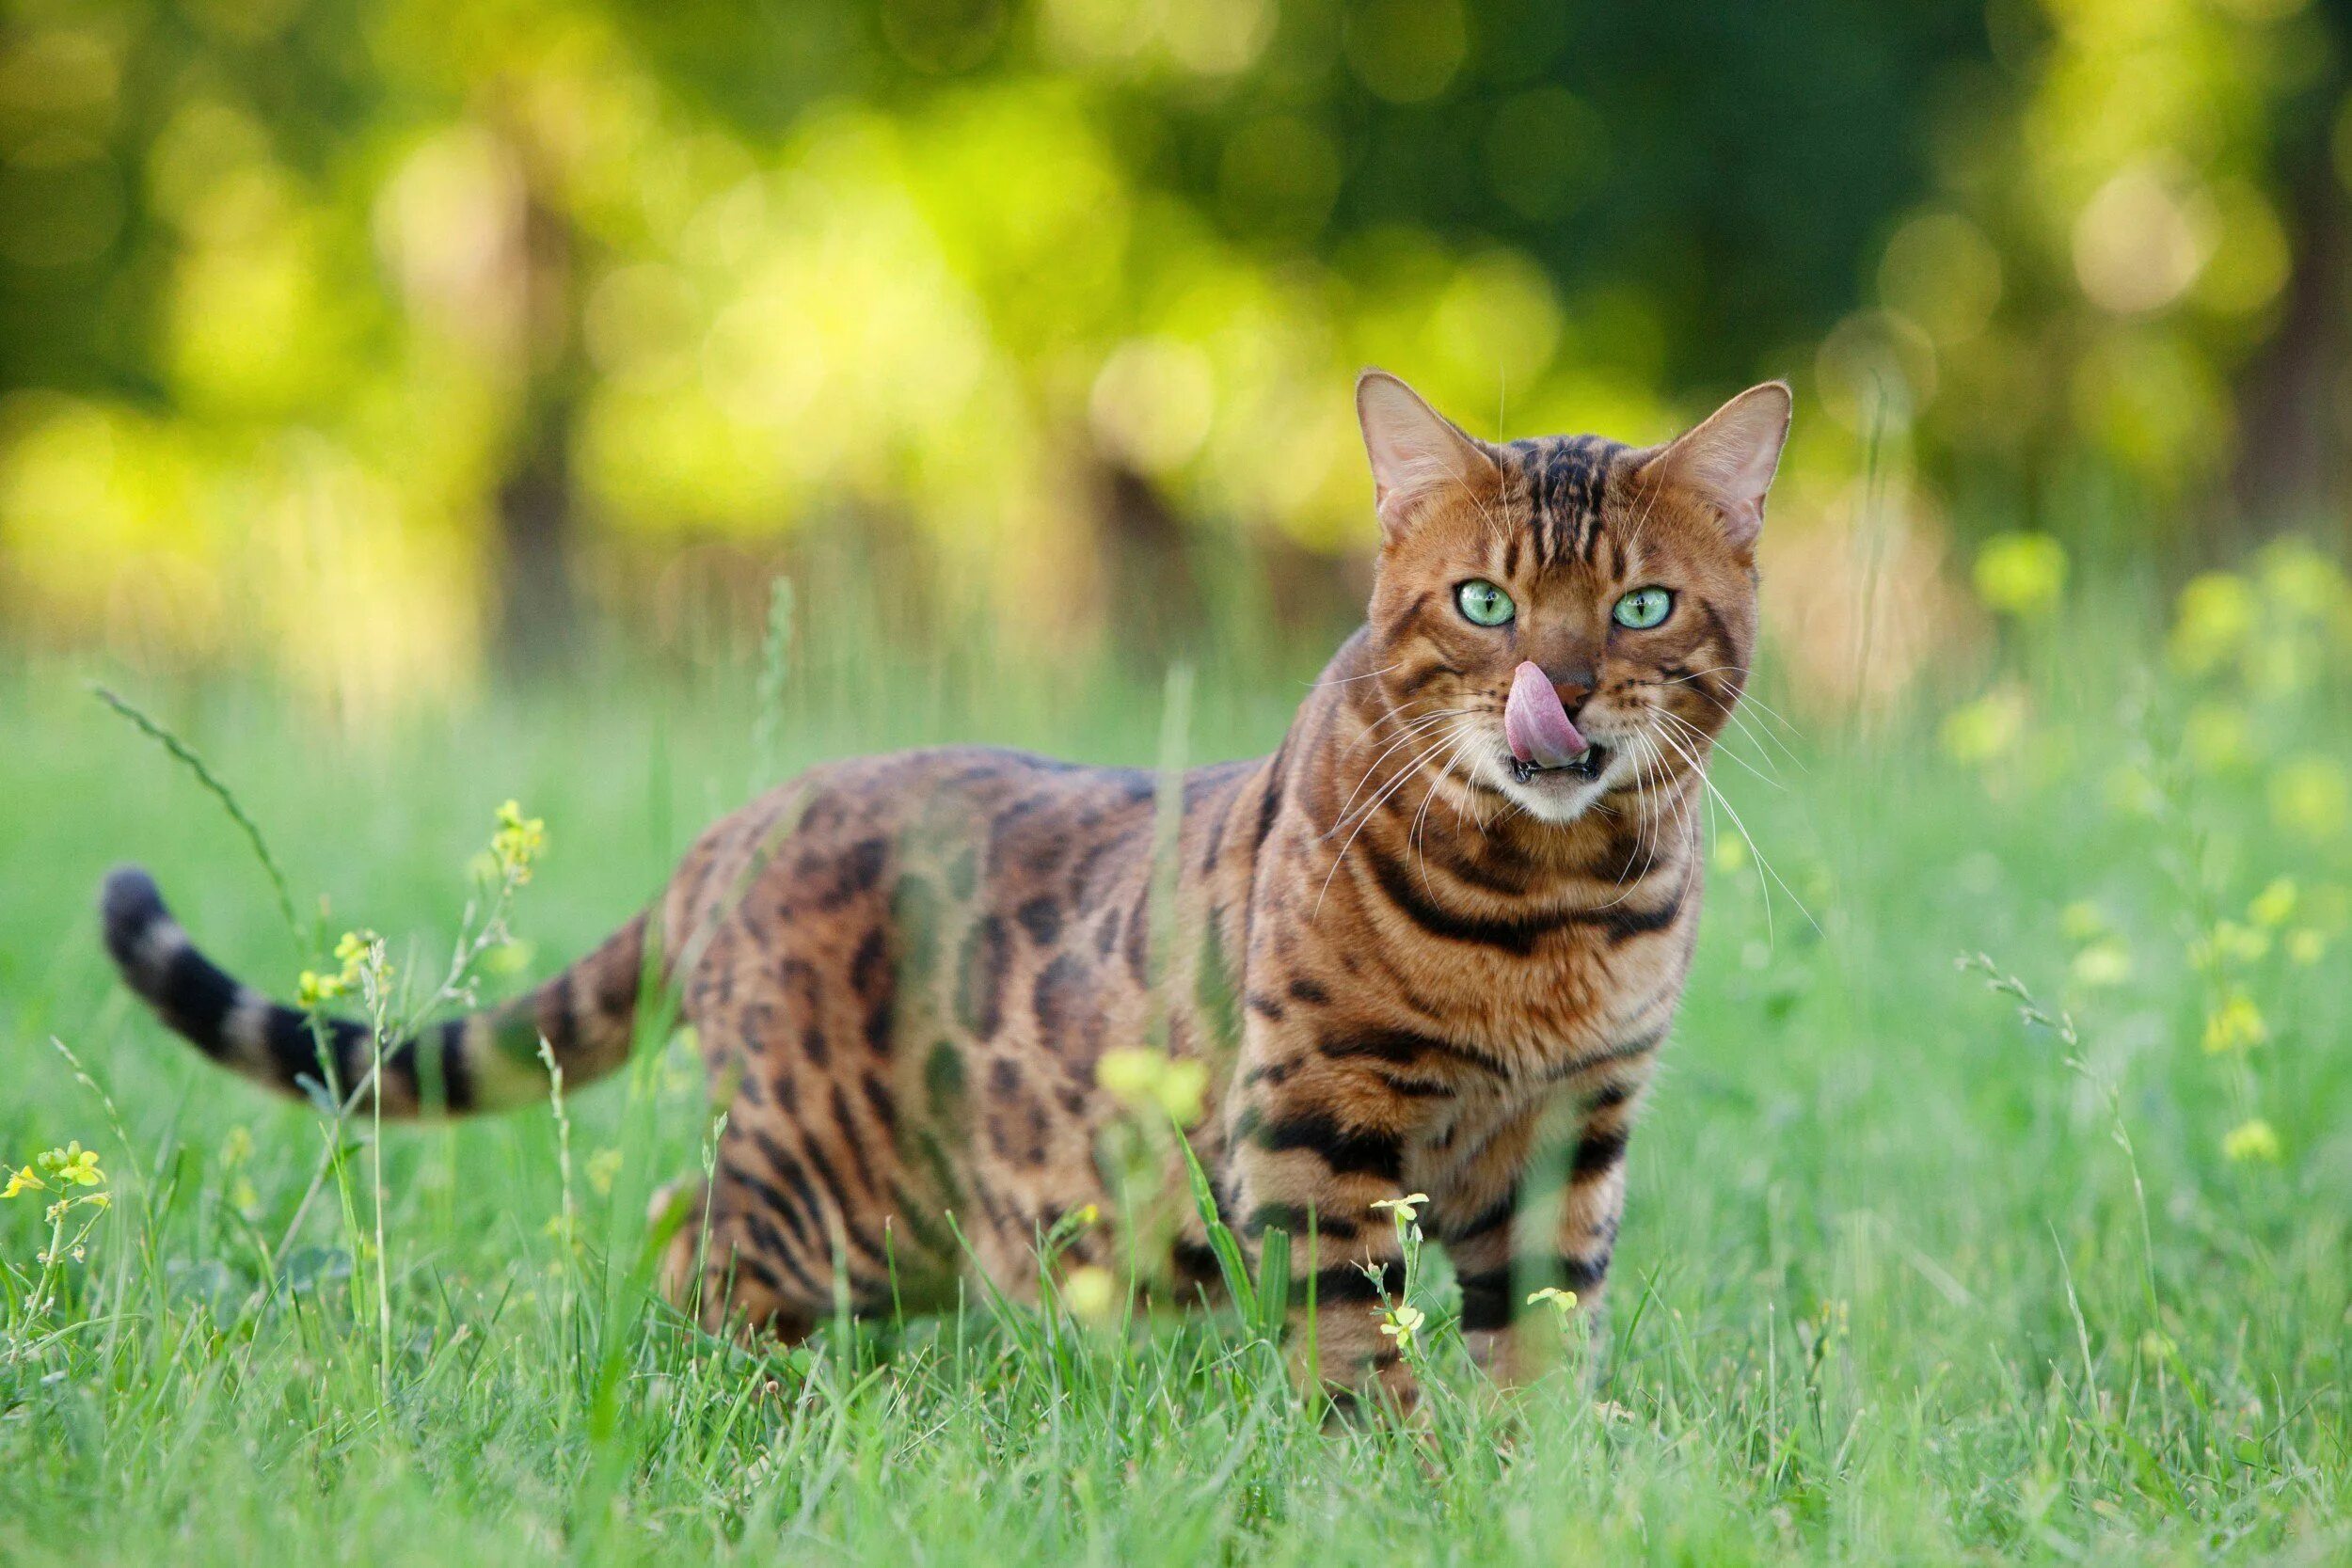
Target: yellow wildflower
57, 1171
77, 1165
1090, 1293
2274, 905
1561, 1301
1406, 1209
2280, 666
1986, 729
1401, 1323
510, 957
2021, 574
518, 841
362, 953
2130, 792
2218, 738
1182, 1088
2082, 920
2235, 1025
2104, 963
2306, 946
2240, 943
1129, 1074
2229, 942
1143, 1079
2217, 613
359, 954
2311, 796
2251, 1141
2301, 578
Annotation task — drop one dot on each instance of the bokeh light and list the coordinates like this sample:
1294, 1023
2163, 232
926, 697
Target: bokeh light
1006, 285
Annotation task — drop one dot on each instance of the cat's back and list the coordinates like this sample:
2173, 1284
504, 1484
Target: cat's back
935, 864
954, 824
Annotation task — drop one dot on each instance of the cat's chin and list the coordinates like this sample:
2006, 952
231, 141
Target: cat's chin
1589, 765
1559, 795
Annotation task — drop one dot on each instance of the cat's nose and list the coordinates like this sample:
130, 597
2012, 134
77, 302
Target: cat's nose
1574, 683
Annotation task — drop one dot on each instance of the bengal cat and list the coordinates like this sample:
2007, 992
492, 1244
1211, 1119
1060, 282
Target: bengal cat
1448, 919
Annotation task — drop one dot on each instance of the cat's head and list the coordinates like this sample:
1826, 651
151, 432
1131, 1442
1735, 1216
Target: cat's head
1566, 618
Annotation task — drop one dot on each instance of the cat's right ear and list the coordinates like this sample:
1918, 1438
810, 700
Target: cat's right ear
1416, 451
1727, 461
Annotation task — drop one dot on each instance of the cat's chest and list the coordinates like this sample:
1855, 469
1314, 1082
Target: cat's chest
1564, 994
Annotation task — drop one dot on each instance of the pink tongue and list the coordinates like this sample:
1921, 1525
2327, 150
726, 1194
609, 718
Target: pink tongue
1534, 725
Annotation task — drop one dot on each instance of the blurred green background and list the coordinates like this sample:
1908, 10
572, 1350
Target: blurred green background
415, 405
389, 346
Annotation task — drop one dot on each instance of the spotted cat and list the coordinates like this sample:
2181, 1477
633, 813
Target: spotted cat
1448, 920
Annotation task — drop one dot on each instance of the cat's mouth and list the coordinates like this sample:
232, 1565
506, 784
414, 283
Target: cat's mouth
1584, 767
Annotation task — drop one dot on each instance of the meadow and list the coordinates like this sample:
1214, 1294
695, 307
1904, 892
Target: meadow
1995, 1203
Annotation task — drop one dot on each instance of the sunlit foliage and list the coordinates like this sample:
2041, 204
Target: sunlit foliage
352, 337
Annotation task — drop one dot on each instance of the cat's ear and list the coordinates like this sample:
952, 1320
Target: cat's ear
1416, 451
1727, 461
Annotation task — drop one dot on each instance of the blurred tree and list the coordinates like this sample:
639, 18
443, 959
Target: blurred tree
2133, 258
536, 507
347, 334
2292, 394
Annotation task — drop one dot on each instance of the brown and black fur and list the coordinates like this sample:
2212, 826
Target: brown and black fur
1404, 972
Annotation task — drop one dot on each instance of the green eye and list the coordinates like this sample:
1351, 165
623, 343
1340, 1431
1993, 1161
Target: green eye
1642, 609
1484, 603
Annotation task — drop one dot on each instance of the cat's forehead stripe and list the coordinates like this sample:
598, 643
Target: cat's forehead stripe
1564, 478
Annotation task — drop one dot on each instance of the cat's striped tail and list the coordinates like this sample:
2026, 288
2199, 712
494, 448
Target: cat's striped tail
483, 1061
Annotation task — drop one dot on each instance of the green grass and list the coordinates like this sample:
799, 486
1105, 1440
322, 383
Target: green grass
1906, 1277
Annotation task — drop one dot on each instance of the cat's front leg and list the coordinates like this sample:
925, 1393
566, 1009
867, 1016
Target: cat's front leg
1315, 1142
1507, 1325
1479, 1232
1586, 1236
1475, 1217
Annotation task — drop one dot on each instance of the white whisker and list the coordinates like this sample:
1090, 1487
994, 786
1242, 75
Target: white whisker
1420, 726
1343, 680
1715, 746
1403, 775
1762, 863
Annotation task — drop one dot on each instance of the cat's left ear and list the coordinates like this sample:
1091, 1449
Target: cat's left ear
1727, 461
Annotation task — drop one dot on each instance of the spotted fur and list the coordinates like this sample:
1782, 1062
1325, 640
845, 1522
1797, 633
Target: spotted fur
1406, 968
